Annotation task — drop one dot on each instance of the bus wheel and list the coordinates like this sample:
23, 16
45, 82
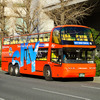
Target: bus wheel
17, 73
11, 70
47, 73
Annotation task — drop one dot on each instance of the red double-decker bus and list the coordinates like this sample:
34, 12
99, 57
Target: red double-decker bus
65, 52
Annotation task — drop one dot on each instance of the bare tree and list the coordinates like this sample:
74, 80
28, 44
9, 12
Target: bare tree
29, 17
3, 31
69, 14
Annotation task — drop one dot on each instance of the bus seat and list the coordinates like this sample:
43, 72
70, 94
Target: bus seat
77, 36
24, 41
44, 58
63, 37
81, 36
40, 39
45, 39
16, 41
66, 37
81, 39
12, 42
20, 41
78, 39
35, 40
5, 43
31, 40
85, 38
69, 37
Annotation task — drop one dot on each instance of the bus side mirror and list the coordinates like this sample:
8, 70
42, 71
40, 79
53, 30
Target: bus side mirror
60, 52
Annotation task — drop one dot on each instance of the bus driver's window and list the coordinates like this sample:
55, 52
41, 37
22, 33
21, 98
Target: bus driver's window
56, 36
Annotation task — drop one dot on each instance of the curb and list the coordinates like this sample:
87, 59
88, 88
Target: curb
96, 79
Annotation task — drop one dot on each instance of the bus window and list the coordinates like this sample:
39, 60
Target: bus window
75, 34
71, 55
42, 54
55, 56
56, 36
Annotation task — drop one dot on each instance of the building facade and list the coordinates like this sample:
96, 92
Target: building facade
45, 23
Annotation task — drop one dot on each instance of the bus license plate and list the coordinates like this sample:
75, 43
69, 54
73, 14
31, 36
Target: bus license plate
81, 75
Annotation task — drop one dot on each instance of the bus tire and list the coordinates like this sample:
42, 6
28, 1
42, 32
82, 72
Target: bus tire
17, 72
11, 70
47, 73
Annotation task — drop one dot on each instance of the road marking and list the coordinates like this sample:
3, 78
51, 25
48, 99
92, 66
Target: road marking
2, 99
58, 93
91, 87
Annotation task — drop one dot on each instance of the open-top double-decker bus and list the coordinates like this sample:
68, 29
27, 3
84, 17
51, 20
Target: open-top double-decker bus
65, 52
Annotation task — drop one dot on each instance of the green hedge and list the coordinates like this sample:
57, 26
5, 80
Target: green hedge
0, 62
97, 60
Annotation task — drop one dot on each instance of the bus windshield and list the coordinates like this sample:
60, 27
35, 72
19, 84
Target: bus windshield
78, 55
70, 34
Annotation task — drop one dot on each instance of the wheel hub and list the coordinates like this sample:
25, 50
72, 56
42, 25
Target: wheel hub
16, 70
48, 73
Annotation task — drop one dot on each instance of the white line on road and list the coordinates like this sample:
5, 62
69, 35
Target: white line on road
91, 87
2, 99
58, 93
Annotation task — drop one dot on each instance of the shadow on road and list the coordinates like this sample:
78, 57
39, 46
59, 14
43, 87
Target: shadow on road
56, 79
73, 79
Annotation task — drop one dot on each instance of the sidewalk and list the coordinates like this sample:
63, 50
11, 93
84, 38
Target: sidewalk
97, 79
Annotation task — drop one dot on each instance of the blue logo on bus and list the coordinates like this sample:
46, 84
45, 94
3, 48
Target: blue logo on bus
28, 54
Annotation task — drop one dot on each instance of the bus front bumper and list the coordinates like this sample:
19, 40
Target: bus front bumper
78, 70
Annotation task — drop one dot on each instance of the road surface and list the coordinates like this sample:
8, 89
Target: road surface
37, 88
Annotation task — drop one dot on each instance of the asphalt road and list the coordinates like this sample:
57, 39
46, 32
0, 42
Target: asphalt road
37, 88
